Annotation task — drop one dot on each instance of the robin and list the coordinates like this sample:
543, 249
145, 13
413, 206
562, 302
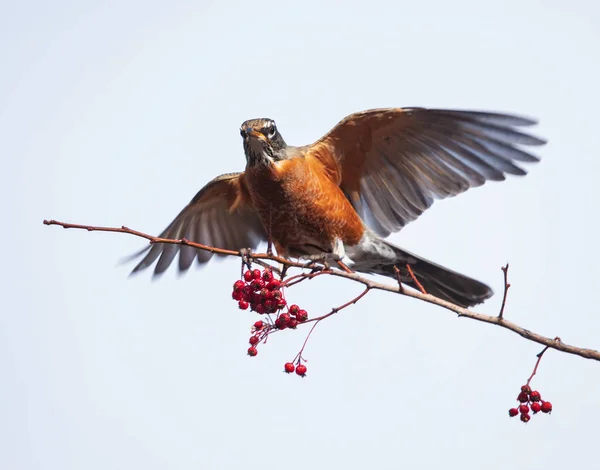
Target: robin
338, 198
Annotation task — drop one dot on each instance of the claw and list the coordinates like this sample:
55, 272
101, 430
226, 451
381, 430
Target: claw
316, 265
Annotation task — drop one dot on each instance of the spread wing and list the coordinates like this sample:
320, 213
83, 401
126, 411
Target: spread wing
393, 163
219, 216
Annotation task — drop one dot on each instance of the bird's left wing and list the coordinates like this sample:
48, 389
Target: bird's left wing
393, 163
220, 215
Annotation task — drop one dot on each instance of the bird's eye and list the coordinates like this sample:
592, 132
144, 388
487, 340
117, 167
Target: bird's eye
271, 130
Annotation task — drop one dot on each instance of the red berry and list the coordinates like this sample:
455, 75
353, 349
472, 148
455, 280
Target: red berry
243, 305
525, 417
301, 370
294, 309
259, 308
270, 305
259, 325
302, 316
535, 396
267, 294
238, 285
252, 351
523, 397
536, 407
248, 276
258, 284
256, 274
237, 295
513, 412
288, 368
523, 409
285, 317
274, 284
546, 407
254, 340
281, 324
293, 323
526, 389
281, 303
267, 275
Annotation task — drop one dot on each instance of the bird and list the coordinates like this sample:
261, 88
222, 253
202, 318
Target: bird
338, 199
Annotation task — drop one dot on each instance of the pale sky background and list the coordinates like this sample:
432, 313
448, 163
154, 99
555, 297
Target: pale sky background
117, 112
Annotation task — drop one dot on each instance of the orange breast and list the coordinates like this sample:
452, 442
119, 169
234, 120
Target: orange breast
300, 204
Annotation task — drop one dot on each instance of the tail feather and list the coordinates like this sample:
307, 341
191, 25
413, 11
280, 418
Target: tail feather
435, 279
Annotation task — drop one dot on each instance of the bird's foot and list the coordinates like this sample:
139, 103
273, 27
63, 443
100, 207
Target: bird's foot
316, 265
246, 255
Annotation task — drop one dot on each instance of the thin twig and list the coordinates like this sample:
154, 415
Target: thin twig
323, 317
415, 280
298, 278
343, 267
341, 307
399, 279
461, 311
506, 287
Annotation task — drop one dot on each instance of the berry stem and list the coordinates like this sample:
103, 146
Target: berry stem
299, 355
539, 358
323, 317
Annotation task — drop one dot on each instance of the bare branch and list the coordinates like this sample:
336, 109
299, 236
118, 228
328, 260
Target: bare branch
499, 320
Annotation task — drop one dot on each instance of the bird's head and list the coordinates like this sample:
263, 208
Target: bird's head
263, 143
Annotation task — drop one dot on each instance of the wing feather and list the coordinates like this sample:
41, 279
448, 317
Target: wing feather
219, 215
394, 163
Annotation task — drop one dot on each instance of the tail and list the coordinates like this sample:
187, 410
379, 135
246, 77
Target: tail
380, 257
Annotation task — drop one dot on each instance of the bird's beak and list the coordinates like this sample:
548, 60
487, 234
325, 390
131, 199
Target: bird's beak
257, 135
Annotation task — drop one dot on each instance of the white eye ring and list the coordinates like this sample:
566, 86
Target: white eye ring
272, 130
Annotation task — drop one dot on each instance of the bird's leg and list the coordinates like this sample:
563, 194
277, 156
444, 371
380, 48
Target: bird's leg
284, 271
339, 255
269, 236
246, 255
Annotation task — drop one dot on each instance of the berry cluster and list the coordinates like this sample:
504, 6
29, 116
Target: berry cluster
529, 400
262, 293
300, 369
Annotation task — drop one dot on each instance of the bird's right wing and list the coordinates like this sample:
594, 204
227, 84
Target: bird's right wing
393, 163
220, 215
